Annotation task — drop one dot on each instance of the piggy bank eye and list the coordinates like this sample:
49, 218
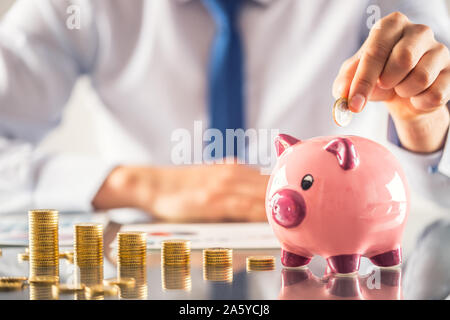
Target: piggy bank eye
307, 182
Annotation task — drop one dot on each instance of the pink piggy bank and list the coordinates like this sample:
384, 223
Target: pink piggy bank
337, 197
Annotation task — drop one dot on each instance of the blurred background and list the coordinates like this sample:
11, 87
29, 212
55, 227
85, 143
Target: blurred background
84, 110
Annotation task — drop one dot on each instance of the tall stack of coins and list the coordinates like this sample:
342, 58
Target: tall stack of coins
260, 263
140, 290
131, 248
43, 242
88, 244
176, 252
176, 277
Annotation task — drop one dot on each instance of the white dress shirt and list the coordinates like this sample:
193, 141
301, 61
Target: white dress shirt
148, 60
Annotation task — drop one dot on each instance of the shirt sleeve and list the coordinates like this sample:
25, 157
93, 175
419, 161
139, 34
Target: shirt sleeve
42, 53
428, 175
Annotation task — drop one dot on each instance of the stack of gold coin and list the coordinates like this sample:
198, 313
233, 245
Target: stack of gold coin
260, 263
43, 242
217, 273
131, 248
122, 282
218, 256
175, 252
88, 277
176, 277
65, 288
44, 279
43, 291
88, 244
100, 290
24, 256
12, 283
139, 273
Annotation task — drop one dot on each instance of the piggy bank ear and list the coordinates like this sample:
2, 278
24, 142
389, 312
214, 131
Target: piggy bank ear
345, 152
284, 141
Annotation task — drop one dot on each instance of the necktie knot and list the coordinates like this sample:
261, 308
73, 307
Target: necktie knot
224, 12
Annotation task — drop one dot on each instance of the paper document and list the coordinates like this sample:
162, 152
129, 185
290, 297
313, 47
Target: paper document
207, 235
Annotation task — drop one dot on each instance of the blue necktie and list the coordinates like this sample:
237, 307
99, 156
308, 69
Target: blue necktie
226, 100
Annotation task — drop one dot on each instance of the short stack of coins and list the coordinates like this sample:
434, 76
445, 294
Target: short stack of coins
218, 256
88, 244
12, 283
43, 243
260, 263
217, 264
131, 248
176, 252
176, 277
140, 289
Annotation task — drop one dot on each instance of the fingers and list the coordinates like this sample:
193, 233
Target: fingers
416, 41
436, 95
425, 72
376, 51
341, 85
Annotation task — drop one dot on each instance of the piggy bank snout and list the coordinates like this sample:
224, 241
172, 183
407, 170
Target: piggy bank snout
288, 208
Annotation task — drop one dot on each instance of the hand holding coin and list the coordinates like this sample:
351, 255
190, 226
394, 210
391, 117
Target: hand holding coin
342, 115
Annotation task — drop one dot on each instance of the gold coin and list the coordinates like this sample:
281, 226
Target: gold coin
263, 259
88, 245
101, 289
71, 288
131, 248
43, 279
176, 277
342, 115
123, 281
9, 286
217, 273
217, 256
23, 256
176, 243
43, 248
175, 252
4, 280
260, 263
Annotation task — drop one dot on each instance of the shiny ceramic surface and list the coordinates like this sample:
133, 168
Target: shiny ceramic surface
338, 197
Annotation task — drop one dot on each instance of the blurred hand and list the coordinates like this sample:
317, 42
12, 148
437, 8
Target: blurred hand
228, 192
402, 64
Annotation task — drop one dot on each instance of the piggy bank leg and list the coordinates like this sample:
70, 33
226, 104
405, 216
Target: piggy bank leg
388, 259
292, 260
344, 263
